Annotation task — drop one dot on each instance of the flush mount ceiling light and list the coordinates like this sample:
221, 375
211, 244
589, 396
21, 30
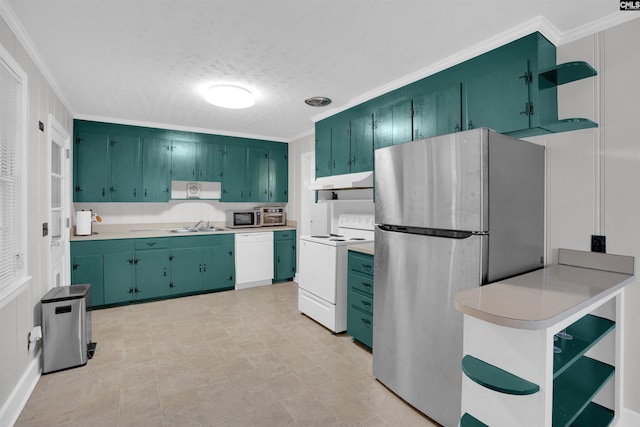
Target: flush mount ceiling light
318, 101
229, 96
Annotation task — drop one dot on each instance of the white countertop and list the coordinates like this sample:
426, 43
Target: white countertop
365, 248
143, 231
542, 298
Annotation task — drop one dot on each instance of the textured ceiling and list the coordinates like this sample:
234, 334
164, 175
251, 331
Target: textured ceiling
146, 62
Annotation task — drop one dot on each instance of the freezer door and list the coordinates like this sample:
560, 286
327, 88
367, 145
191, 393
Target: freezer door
417, 332
434, 183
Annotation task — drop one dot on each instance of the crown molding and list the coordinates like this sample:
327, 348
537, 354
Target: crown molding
18, 30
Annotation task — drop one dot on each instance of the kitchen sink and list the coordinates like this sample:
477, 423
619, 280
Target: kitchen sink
196, 230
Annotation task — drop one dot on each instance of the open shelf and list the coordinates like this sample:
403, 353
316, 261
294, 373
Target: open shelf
594, 415
575, 387
564, 73
496, 379
586, 333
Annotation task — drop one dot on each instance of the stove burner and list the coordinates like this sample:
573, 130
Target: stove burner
357, 238
337, 240
335, 235
320, 237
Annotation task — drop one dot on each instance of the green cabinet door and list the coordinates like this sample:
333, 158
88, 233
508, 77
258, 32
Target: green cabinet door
362, 143
186, 270
437, 112
210, 164
89, 269
279, 174
156, 170
219, 267
235, 172
183, 160
506, 91
285, 260
91, 164
126, 169
152, 273
392, 124
257, 175
119, 277
323, 149
341, 148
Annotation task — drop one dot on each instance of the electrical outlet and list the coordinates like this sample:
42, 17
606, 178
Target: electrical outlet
598, 244
45, 229
41, 126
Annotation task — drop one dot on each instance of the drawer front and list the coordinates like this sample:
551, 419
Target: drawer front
360, 283
160, 243
361, 263
361, 302
284, 235
360, 326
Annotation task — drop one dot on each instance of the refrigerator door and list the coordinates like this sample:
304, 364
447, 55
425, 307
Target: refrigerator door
417, 332
434, 183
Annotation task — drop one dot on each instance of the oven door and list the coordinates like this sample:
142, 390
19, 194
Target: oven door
246, 219
317, 273
273, 218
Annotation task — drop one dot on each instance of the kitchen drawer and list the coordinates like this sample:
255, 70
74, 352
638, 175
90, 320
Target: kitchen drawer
361, 263
160, 243
284, 235
360, 327
360, 283
360, 302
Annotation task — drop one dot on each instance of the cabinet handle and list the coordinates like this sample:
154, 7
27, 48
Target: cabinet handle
135, 193
135, 261
112, 189
130, 260
200, 268
366, 285
137, 291
170, 257
367, 266
230, 253
457, 128
130, 290
470, 125
166, 189
204, 268
151, 243
75, 266
145, 192
102, 191
171, 285
230, 277
278, 259
365, 321
164, 272
193, 173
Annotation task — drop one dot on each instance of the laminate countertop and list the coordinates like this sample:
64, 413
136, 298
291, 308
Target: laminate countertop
143, 231
365, 248
542, 298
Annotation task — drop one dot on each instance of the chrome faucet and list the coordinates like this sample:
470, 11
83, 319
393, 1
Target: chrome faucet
198, 224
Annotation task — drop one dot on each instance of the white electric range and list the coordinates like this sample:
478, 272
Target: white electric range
322, 270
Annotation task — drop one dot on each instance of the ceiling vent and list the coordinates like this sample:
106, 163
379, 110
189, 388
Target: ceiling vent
318, 101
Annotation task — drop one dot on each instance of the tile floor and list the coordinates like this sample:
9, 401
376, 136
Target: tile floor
234, 358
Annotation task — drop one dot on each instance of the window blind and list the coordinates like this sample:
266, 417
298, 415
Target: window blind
10, 203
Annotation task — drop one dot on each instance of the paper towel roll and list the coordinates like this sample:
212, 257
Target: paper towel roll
83, 223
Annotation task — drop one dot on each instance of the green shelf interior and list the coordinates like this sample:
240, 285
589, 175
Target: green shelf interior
565, 73
575, 387
496, 379
562, 125
471, 421
594, 415
586, 333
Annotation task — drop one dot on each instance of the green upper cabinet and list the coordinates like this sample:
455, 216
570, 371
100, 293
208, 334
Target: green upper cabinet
344, 144
156, 161
437, 112
500, 99
279, 174
392, 124
183, 160
210, 161
257, 174
91, 167
235, 171
323, 149
122, 163
361, 142
126, 170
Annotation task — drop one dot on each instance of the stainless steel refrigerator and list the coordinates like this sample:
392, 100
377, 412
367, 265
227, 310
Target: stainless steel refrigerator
452, 212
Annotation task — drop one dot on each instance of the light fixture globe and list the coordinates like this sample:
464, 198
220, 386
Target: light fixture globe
229, 96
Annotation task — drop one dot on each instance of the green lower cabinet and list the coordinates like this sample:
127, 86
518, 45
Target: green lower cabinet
186, 270
89, 269
360, 298
219, 266
284, 255
152, 273
119, 277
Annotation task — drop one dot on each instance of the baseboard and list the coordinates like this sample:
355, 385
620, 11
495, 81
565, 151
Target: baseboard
628, 418
20, 395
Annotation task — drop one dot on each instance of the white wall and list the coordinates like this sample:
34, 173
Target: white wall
21, 311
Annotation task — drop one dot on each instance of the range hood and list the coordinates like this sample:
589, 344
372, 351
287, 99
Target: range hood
343, 182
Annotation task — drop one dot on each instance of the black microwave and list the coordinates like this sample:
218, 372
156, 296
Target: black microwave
244, 218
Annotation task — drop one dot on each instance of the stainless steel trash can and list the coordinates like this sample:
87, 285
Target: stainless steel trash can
66, 327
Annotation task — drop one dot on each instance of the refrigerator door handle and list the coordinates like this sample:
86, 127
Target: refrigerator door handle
449, 234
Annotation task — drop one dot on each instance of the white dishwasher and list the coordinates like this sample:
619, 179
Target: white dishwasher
254, 259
